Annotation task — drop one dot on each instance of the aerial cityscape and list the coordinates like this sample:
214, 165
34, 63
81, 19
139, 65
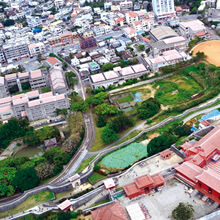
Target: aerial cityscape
110, 109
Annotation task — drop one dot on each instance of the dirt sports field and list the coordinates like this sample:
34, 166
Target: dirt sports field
212, 51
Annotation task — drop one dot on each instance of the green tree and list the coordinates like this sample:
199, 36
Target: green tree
140, 47
183, 212
44, 170
39, 57
25, 179
81, 106
25, 85
107, 67
108, 135
158, 144
31, 138
102, 120
47, 132
148, 108
106, 109
120, 122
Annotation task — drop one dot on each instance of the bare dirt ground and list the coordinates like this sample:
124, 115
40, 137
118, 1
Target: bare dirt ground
211, 50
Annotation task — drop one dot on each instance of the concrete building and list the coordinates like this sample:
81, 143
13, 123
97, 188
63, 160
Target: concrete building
117, 76
39, 79
130, 32
57, 80
62, 39
2, 57
15, 51
93, 66
163, 8
131, 17
126, 6
194, 28
178, 43
3, 88
162, 32
86, 43
35, 49
32, 105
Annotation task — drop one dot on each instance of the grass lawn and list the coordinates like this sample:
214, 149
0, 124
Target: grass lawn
29, 203
85, 163
95, 177
125, 99
100, 203
176, 89
44, 90
63, 194
24, 91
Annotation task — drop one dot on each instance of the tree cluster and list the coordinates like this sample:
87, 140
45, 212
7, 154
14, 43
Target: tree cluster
148, 108
183, 211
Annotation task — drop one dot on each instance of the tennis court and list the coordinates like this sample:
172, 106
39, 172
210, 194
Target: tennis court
126, 156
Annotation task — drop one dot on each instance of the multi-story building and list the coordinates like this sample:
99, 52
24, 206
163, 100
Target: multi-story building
178, 43
32, 105
57, 80
59, 3
2, 57
3, 88
131, 17
117, 76
137, 25
89, 42
62, 39
126, 6
35, 49
192, 29
99, 30
15, 51
163, 8
88, 33
39, 79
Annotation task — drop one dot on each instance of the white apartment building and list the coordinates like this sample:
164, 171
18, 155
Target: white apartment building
131, 17
15, 51
126, 6
163, 8
59, 3
36, 49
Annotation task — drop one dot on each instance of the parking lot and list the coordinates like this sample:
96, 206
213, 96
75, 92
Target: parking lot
161, 204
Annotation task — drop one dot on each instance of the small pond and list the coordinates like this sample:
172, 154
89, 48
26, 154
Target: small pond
31, 152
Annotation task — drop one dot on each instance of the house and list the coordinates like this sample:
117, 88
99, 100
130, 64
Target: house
143, 185
131, 17
64, 205
137, 25
93, 66
166, 154
88, 33
179, 10
109, 184
109, 212
130, 32
75, 62
35, 49
50, 143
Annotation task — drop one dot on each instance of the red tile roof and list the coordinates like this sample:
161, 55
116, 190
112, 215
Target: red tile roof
165, 153
210, 178
189, 170
132, 14
110, 212
200, 34
131, 189
158, 179
205, 123
52, 60
144, 181
146, 40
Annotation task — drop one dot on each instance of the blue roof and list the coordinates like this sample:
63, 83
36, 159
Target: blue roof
210, 115
193, 129
141, 32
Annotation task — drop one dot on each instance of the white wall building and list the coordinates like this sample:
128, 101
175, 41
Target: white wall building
163, 8
36, 49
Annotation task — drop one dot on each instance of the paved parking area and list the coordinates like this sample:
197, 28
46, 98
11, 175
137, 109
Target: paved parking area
149, 166
161, 204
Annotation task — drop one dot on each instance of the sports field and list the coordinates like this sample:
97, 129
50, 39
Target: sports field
211, 50
126, 156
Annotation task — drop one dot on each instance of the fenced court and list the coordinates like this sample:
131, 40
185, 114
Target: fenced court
126, 156
211, 50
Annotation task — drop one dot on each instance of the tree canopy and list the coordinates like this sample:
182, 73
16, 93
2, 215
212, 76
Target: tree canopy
120, 122
108, 135
106, 109
79, 106
25, 179
148, 108
107, 67
183, 212
158, 144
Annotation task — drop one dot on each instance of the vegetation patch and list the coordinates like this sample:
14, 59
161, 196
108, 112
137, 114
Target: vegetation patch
30, 202
95, 177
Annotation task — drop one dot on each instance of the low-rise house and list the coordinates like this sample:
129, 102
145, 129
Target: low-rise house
93, 66
130, 32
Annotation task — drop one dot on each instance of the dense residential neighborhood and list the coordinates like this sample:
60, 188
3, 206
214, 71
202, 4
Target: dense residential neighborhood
110, 109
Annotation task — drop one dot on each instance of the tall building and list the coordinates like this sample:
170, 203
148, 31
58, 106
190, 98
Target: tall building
163, 8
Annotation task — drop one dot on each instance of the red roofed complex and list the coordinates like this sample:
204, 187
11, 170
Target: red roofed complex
201, 169
143, 184
110, 212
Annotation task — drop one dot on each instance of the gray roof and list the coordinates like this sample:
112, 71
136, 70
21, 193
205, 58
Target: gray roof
163, 32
